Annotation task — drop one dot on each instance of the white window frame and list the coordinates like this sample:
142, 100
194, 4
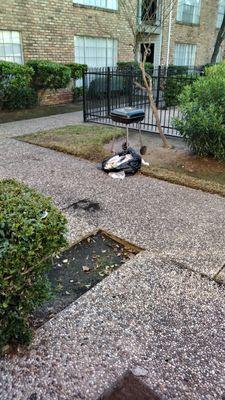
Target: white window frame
107, 4
187, 54
182, 5
220, 13
84, 58
14, 39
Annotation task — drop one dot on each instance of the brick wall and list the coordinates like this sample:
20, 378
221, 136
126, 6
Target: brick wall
51, 97
202, 35
48, 27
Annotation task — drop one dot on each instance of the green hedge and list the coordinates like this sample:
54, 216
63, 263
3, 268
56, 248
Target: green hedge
202, 105
15, 98
173, 87
15, 92
99, 87
134, 66
49, 74
31, 230
77, 70
15, 74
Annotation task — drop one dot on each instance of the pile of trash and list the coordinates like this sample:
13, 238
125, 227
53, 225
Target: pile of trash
125, 163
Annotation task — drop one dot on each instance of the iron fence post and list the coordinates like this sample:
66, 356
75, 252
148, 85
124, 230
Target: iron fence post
130, 89
158, 86
108, 92
84, 96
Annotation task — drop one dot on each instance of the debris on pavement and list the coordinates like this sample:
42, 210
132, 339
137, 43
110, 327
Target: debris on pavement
127, 161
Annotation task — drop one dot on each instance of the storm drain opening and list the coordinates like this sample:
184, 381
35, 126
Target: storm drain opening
129, 387
81, 267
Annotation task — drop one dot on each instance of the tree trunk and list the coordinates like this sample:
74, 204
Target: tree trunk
148, 86
219, 40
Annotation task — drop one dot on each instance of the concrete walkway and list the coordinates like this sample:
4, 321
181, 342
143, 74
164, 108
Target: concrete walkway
16, 128
161, 311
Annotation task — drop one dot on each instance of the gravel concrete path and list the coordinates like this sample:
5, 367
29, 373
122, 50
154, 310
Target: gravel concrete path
16, 128
160, 311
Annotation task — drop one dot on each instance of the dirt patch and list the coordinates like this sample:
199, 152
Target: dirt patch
178, 159
129, 388
80, 268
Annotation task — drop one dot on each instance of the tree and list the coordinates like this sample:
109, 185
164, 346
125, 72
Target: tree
219, 40
150, 12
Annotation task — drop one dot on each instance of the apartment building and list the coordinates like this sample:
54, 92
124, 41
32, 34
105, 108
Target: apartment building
183, 32
100, 32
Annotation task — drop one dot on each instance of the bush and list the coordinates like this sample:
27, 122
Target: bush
173, 87
134, 66
203, 114
77, 93
49, 74
14, 74
15, 98
31, 230
177, 70
99, 86
15, 92
77, 70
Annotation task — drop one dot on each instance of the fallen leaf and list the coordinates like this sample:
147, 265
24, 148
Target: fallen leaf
85, 268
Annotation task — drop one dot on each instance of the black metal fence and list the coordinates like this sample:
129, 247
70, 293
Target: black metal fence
105, 89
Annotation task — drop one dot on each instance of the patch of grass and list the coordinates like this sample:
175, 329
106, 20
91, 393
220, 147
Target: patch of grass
85, 141
38, 112
184, 180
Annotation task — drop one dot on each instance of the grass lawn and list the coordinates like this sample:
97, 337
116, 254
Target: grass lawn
177, 165
39, 111
84, 141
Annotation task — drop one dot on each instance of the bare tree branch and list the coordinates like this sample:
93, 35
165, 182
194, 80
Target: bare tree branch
219, 40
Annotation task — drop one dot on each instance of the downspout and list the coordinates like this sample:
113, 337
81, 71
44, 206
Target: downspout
169, 35
161, 33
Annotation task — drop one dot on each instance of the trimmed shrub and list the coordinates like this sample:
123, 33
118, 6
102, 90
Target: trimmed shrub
134, 66
77, 70
177, 70
99, 87
15, 92
77, 93
49, 74
15, 98
15, 74
31, 230
203, 113
173, 87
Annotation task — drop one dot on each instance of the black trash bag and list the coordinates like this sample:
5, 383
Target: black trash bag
128, 161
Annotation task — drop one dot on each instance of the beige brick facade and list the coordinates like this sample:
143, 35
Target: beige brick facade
48, 28
202, 35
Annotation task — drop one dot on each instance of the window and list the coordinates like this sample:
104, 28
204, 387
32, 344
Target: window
184, 54
110, 4
221, 11
10, 47
188, 11
151, 52
149, 11
96, 52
